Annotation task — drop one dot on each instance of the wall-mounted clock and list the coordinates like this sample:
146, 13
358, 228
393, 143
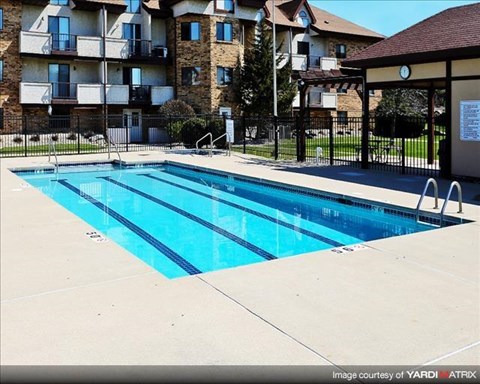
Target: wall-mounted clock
405, 72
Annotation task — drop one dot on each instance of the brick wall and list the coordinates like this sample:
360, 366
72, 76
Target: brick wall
9, 53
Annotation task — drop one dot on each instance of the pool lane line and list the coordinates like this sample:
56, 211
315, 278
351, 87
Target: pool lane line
251, 247
158, 245
293, 227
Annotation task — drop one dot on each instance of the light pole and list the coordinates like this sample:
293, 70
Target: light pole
274, 61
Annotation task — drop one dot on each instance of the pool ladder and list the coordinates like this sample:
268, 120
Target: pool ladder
435, 192
53, 149
111, 141
209, 134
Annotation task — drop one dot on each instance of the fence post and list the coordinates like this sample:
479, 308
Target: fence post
170, 130
25, 120
244, 125
403, 154
129, 122
78, 132
330, 139
275, 131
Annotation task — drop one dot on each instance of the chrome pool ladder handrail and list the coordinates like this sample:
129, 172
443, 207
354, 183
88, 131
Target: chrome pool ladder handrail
111, 141
435, 192
211, 142
52, 148
219, 137
444, 206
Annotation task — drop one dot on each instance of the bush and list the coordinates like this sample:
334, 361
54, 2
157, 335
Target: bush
174, 129
399, 126
72, 136
54, 137
17, 139
192, 130
35, 138
177, 108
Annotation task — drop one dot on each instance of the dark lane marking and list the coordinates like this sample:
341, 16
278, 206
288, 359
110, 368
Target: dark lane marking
259, 251
293, 227
168, 252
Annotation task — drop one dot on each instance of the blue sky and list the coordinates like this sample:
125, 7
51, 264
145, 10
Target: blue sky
386, 16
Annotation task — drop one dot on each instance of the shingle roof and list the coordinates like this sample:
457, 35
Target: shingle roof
323, 21
447, 34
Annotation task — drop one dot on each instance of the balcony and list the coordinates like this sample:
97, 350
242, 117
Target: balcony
140, 94
41, 43
305, 62
144, 50
93, 94
62, 43
318, 99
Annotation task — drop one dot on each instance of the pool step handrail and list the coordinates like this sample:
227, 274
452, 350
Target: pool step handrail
435, 192
211, 142
111, 141
52, 148
228, 141
444, 206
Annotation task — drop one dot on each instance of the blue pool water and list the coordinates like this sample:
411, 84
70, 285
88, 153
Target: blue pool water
183, 221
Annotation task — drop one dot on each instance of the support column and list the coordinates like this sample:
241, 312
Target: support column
431, 126
365, 120
301, 124
446, 171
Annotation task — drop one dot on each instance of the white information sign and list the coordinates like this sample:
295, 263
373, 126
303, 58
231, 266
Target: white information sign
470, 120
229, 130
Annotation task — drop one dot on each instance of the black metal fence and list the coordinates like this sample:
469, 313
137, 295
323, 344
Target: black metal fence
404, 145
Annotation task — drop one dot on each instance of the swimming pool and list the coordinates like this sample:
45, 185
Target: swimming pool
185, 221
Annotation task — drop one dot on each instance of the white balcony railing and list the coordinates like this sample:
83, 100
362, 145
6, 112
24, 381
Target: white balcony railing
89, 46
117, 48
35, 93
304, 62
160, 95
35, 42
318, 99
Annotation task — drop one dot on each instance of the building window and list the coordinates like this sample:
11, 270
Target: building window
224, 32
342, 117
342, 91
1, 70
191, 31
224, 75
303, 19
133, 6
371, 92
1, 119
340, 51
224, 6
1, 19
59, 2
191, 75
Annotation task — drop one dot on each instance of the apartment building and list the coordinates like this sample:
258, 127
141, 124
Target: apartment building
314, 39
128, 57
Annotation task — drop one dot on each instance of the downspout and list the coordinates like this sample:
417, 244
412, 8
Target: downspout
104, 63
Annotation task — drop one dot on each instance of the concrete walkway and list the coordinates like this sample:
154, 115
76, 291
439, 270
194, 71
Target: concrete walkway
409, 300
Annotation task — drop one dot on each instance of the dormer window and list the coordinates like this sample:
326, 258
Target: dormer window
303, 19
224, 6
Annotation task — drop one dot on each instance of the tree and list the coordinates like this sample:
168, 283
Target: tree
256, 78
402, 102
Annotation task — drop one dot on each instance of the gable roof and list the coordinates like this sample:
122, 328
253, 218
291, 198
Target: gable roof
323, 22
454, 32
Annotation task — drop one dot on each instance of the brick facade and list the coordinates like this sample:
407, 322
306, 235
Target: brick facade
12, 64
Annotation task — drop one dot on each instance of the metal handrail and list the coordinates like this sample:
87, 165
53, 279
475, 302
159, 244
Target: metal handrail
435, 192
219, 137
111, 141
459, 190
51, 145
203, 137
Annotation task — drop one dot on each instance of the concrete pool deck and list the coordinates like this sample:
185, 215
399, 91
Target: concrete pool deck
410, 300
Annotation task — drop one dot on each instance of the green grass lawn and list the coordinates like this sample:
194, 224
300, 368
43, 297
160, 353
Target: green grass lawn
43, 149
344, 146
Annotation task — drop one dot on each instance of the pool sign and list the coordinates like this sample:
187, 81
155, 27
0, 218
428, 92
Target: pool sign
229, 130
470, 120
